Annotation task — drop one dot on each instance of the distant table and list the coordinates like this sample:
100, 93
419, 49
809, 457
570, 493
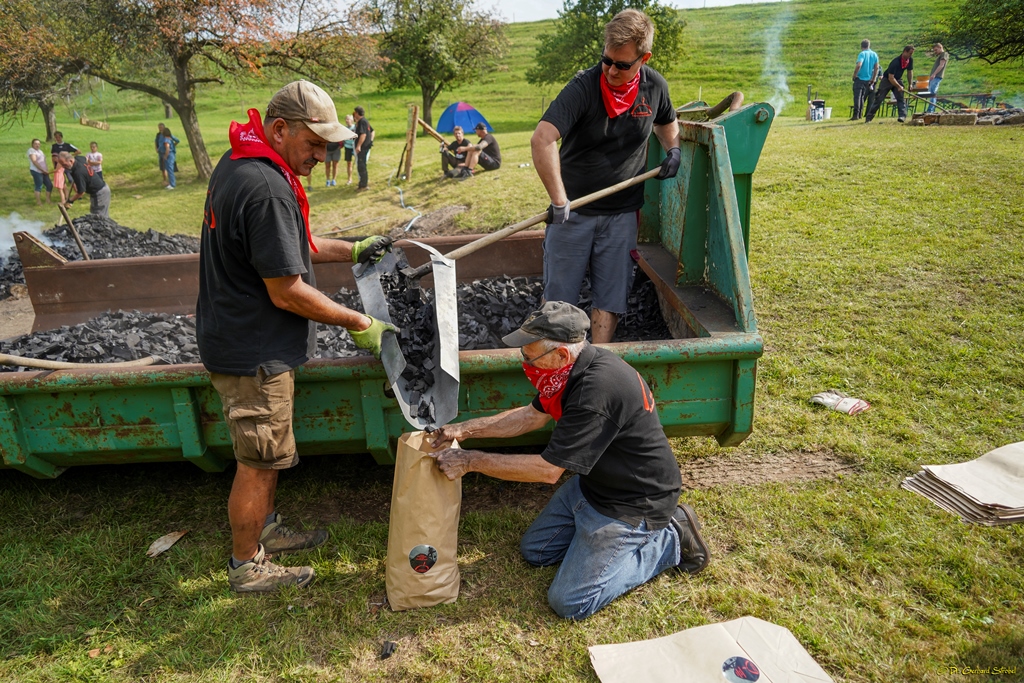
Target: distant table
977, 100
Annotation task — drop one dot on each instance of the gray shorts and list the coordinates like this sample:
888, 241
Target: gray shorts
333, 155
99, 203
600, 243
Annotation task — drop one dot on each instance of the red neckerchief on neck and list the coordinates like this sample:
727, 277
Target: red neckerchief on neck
249, 142
619, 98
550, 385
904, 61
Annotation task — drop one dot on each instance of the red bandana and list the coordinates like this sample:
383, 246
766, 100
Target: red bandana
619, 98
550, 384
248, 142
904, 61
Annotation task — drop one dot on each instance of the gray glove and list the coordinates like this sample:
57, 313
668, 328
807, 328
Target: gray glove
557, 214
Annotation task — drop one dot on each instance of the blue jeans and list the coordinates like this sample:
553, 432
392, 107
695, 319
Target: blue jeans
933, 88
169, 164
601, 557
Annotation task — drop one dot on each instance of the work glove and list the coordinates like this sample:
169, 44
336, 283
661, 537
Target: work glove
670, 166
371, 249
557, 214
371, 337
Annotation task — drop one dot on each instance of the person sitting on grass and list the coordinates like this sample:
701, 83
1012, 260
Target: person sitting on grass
487, 153
615, 524
454, 153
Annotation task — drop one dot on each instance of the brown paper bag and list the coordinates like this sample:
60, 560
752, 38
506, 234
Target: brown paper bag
423, 536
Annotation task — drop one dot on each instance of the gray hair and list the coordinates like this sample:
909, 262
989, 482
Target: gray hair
574, 348
65, 156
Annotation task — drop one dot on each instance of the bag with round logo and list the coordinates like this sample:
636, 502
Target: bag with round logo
423, 536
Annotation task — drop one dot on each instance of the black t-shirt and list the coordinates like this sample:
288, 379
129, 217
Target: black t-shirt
363, 127
252, 229
85, 178
896, 68
57, 148
492, 149
333, 146
610, 434
598, 151
453, 147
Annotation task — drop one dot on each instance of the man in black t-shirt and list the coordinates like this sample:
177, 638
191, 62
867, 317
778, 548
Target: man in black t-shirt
604, 117
451, 157
616, 524
891, 81
364, 141
86, 180
256, 310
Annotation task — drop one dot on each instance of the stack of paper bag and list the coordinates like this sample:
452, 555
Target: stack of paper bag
989, 490
737, 651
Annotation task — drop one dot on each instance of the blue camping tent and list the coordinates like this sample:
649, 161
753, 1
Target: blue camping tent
461, 114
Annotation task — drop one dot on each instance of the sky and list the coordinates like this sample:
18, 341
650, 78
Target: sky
534, 10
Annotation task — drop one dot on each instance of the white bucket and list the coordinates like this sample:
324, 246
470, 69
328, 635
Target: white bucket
828, 113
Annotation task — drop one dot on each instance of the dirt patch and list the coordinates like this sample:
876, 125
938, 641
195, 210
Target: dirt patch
16, 316
439, 222
746, 470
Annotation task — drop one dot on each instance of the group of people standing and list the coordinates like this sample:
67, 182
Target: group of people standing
614, 525
73, 174
871, 85
356, 148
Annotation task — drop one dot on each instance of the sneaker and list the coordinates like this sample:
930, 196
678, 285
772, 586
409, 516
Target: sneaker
169, 187
450, 173
900, 120
277, 538
694, 553
260, 575
465, 174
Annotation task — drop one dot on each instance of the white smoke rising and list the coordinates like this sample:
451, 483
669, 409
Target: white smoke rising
15, 223
773, 70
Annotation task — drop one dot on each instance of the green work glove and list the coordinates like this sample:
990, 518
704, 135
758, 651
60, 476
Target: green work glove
371, 337
370, 249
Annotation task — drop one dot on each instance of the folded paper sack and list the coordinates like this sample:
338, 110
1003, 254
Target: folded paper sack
423, 536
738, 651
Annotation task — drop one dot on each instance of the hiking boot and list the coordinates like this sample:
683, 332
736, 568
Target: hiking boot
450, 173
277, 538
260, 575
694, 553
465, 174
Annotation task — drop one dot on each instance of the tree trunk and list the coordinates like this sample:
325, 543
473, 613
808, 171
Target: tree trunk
428, 101
49, 117
186, 110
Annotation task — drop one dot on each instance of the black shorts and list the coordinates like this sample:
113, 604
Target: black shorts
349, 153
488, 162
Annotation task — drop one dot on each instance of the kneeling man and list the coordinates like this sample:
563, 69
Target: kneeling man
616, 524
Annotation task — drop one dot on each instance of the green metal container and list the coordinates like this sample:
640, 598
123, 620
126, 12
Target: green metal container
694, 232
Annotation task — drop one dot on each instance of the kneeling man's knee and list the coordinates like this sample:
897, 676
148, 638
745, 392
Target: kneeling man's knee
572, 607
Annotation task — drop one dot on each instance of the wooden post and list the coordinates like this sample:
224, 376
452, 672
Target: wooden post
410, 139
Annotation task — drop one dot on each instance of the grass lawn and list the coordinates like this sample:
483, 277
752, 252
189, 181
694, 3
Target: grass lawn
886, 261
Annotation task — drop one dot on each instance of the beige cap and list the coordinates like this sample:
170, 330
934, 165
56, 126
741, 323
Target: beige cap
306, 102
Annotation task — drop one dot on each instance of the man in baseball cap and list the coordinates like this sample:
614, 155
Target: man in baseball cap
617, 522
257, 312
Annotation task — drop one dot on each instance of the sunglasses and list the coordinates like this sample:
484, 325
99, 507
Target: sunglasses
531, 361
621, 66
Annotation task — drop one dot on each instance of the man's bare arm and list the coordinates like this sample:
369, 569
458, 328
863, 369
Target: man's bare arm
290, 293
331, 251
456, 462
504, 425
856, 69
668, 135
544, 148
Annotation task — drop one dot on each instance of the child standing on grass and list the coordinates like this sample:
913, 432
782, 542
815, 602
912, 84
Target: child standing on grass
40, 173
94, 159
169, 154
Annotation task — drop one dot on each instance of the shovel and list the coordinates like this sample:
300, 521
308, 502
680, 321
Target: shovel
438, 404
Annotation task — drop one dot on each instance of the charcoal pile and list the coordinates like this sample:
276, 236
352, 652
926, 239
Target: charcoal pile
114, 337
103, 238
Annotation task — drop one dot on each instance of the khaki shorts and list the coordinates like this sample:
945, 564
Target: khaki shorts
258, 411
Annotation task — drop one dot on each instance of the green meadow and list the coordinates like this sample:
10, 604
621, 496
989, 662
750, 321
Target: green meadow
886, 261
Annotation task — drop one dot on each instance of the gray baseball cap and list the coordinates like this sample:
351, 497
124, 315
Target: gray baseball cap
556, 320
307, 102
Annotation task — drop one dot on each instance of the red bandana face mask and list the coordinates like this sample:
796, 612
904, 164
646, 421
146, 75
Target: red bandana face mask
904, 61
550, 384
619, 98
248, 142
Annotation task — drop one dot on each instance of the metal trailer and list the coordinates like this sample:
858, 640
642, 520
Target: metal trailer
694, 238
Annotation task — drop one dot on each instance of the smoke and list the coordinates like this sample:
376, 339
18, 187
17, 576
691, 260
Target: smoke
15, 223
1015, 101
773, 70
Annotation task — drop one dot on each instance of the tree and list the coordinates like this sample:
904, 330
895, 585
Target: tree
578, 39
992, 30
166, 48
32, 64
433, 44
